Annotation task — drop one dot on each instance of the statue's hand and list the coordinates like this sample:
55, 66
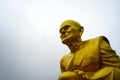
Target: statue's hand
82, 74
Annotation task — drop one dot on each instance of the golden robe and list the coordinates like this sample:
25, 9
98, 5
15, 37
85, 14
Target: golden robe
96, 58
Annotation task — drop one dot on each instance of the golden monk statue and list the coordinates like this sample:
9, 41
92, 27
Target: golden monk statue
93, 59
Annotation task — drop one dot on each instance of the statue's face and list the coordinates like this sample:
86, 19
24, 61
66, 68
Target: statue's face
68, 32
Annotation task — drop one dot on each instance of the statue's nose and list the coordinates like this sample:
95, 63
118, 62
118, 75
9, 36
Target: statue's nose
63, 31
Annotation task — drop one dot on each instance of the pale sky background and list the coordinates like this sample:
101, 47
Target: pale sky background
30, 47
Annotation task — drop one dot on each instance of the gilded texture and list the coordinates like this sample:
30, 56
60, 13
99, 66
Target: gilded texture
93, 59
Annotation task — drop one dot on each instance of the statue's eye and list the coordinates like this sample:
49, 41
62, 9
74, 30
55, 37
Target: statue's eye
64, 28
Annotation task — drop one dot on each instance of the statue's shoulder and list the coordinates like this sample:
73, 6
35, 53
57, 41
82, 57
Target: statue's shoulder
63, 57
97, 39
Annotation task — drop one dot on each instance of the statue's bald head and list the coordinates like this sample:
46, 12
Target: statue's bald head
74, 24
71, 29
70, 23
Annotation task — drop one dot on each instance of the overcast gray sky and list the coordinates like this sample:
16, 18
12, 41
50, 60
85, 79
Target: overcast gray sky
30, 47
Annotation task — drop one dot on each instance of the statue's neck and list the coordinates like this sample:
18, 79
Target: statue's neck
74, 46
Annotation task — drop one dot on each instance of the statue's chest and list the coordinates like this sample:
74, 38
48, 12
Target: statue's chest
86, 59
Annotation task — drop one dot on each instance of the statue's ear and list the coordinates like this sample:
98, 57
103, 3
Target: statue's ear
81, 30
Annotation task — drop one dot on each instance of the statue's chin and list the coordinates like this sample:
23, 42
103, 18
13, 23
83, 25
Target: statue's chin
66, 41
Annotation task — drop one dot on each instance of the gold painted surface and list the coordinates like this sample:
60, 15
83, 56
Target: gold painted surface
93, 59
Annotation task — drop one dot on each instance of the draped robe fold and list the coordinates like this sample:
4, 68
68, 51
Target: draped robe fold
96, 58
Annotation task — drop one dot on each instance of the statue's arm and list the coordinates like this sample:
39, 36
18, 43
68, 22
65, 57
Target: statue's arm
61, 64
108, 56
110, 61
